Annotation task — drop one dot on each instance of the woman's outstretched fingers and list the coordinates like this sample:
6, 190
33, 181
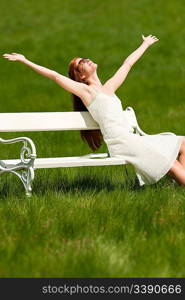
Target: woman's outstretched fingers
14, 56
150, 39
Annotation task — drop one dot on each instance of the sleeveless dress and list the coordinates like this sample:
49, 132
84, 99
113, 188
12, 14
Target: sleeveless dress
152, 155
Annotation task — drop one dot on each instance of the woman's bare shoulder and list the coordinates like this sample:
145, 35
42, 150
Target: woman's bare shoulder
90, 93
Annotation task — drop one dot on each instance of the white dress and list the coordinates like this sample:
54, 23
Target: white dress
151, 155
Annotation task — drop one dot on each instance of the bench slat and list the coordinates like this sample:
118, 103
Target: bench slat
49, 121
46, 121
74, 161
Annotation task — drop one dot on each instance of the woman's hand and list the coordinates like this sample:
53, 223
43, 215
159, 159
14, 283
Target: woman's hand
14, 57
150, 39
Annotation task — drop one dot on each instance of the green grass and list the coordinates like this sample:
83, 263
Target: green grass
93, 221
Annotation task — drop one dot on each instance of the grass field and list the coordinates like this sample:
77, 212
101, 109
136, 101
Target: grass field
93, 221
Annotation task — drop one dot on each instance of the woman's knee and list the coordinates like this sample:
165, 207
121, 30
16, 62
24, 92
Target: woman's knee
177, 172
182, 147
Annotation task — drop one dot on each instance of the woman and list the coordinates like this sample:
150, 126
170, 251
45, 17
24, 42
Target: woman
153, 156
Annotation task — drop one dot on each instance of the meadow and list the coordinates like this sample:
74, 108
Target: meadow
92, 221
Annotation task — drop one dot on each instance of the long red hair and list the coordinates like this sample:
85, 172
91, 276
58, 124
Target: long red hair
93, 137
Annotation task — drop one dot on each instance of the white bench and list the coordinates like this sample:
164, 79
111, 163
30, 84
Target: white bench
52, 121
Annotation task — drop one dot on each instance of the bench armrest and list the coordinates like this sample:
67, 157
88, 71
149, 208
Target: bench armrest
25, 166
26, 152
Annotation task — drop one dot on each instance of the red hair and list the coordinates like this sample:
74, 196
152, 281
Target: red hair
93, 137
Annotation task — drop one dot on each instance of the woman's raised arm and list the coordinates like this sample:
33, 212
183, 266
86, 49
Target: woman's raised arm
39, 69
68, 84
118, 78
147, 41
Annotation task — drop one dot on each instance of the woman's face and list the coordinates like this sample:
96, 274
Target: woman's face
85, 66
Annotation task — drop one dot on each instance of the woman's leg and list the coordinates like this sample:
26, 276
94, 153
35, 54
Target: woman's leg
181, 156
177, 172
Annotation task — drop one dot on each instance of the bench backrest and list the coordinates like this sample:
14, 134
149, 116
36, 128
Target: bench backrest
52, 121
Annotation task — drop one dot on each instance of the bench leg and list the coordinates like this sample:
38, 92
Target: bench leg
24, 169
